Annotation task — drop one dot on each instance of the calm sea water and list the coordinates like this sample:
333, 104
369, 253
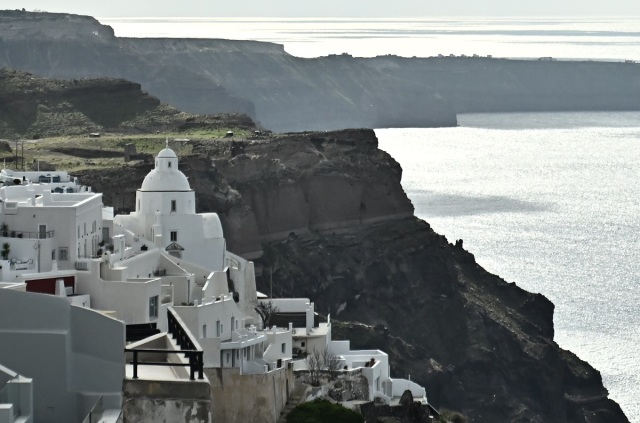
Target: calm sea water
550, 201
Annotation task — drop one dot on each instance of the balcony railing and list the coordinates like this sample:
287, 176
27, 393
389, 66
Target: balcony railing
189, 348
28, 235
195, 363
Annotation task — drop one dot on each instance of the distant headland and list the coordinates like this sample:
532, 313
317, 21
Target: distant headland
286, 93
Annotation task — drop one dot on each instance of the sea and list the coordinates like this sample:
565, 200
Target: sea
550, 201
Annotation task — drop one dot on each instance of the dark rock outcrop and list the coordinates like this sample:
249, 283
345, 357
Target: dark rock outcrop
35, 107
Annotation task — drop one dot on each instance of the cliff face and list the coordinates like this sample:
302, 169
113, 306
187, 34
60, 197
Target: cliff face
36, 107
479, 344
215, 76
334, 224
286, 93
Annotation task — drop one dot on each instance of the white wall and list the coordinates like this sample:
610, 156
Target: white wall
275, 339
72, 366
16, 397
215, 286
401, 385
76, 220
140, 266
244, 279
129, 299
291, 305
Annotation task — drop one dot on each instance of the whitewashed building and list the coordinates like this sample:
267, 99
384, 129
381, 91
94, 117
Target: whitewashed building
73, 355
310, 334
16, 397
160, 266
166, 215
46, 228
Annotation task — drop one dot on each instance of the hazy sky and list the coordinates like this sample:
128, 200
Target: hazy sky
332, 8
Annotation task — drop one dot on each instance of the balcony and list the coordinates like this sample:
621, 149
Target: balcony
28, 235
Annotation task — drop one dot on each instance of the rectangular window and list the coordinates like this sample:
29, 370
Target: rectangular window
173, 205
53, 255
78, 231
284, 348
153, 307
204, 331
63, 254
218, 329
174, 236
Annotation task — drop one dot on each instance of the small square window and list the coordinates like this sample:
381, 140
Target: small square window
63, 254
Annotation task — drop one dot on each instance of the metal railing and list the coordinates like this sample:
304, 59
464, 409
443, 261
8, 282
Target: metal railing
27, 235
188, 347
195, 360
182, 337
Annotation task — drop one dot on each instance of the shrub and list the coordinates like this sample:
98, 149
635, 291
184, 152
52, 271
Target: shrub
321, 411
451, 416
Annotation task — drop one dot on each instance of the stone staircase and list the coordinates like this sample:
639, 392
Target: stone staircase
296, 397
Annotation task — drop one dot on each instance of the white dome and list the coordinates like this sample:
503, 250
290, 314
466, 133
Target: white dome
166, 153
166, 176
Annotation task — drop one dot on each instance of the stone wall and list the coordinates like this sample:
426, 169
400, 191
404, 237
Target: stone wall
237, 398
150, 401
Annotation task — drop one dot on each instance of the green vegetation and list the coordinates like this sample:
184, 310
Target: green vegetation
6, 249
34, 108
72, 153
323, 411
448, 416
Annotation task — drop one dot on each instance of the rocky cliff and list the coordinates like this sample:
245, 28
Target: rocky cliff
33, 107
287, 93
334, 224
213, 76
325, 216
